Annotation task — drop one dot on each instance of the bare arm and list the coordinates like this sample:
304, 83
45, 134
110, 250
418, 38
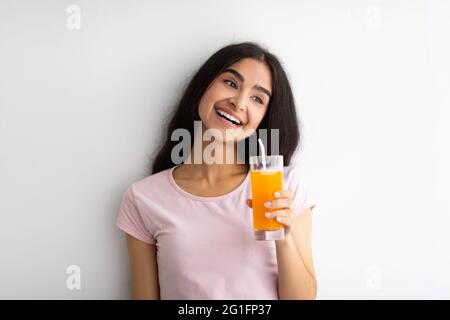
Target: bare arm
144, 269
296, 275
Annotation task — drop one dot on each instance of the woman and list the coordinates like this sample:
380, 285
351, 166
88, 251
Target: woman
188, 225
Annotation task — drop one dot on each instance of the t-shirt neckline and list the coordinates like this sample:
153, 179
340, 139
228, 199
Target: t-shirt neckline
200, 198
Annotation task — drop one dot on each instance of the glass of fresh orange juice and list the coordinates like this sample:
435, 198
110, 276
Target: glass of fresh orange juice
266, 178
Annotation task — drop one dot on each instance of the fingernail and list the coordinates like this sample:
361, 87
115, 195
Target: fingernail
268, 204
280, 219
269, 214
277, 194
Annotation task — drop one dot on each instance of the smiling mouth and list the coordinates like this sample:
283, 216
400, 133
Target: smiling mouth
221, 114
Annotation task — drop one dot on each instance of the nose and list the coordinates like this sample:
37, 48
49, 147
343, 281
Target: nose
238, 103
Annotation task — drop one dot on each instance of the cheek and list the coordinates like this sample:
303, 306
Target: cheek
214, 91
202, 108
255, 117
204, 105
209, 98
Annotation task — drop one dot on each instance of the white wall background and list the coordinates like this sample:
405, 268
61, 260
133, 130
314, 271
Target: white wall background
81, 111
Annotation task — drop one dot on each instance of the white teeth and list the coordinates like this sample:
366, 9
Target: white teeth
229, 116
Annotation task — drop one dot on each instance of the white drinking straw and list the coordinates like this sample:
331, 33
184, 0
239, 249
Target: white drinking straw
263, 153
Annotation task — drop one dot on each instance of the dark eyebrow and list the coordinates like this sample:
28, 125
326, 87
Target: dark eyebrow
241, 78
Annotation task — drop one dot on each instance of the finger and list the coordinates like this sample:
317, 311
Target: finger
279, 203
287, 221
283, 193
278, 213
249, 203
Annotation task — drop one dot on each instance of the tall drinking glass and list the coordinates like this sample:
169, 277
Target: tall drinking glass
264, 182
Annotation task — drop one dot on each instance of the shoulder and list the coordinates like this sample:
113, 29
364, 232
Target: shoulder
296, 180
292, 172
290, 168
151, 185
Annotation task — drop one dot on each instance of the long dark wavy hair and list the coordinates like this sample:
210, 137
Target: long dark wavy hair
281, 113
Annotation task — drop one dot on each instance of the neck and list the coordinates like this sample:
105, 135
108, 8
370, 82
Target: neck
219, 166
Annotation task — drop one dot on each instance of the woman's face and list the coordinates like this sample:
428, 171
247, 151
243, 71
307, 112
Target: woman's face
242, 91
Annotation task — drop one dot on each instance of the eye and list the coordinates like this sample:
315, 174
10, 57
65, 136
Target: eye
259, 100
229, 81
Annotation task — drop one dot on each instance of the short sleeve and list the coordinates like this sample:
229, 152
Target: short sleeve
130, 219
302, 198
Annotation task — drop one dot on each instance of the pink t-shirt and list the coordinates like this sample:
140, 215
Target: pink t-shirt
205, 245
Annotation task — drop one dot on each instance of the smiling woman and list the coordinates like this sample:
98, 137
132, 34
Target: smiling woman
236, 99
242, 75
188, 226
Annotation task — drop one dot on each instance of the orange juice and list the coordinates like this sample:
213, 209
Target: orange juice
264, 184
